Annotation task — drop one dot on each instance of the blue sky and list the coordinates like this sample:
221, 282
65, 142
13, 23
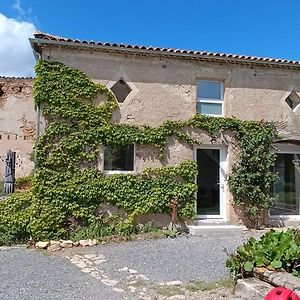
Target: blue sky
254, 27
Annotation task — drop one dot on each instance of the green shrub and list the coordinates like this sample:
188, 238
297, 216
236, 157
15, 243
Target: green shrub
14, 218
275, 250
23, 183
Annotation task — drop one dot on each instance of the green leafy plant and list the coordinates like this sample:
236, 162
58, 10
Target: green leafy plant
67, 187
279, 250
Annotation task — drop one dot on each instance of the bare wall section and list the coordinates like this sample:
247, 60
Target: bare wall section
17, 123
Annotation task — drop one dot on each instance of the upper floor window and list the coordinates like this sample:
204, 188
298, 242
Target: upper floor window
210, 97
119, 158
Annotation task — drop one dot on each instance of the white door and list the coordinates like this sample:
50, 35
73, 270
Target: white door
210, 201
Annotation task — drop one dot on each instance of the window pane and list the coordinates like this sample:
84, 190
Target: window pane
287, 188
119, 158
209, 108
209, 90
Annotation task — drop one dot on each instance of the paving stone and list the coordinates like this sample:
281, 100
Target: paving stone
90, 256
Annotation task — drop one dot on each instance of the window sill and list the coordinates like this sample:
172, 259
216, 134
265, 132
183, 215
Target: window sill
117, 172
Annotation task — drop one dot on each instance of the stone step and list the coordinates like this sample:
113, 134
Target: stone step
215, 230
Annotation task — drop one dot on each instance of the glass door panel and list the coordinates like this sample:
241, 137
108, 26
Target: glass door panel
208, 181
287, 188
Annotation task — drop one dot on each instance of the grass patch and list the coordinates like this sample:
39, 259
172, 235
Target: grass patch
169, 291
194, 286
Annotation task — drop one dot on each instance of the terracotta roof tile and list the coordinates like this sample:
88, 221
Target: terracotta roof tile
245, 58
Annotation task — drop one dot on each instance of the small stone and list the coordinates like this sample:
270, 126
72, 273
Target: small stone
99, 261
118, 290
174, 282
177, 297
132, 271
109, 282
90, 256
54, 242
42, 245
132, 289
54, 247
125, 269
142, 277
80, 264
66, 244
84, 243
87, 270
91, 242
76, 244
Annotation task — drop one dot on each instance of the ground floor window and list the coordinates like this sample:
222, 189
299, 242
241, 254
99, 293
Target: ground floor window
119, 158
287, 188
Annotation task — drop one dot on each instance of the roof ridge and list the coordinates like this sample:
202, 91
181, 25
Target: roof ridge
47, 36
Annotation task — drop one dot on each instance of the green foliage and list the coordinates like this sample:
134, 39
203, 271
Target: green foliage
274, 250
23, 182
15, 217
68, 187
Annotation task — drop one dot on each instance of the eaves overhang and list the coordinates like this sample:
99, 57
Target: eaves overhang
44, 41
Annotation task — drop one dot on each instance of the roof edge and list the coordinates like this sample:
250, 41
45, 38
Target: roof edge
41, 40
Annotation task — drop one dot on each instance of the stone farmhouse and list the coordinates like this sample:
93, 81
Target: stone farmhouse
153, 85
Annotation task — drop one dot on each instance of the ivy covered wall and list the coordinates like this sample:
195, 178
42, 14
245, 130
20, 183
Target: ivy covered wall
68, 186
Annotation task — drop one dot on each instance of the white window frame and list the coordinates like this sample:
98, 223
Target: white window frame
111, 172
211, 100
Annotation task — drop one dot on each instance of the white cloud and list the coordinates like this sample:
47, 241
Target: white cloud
22, 14
16, 57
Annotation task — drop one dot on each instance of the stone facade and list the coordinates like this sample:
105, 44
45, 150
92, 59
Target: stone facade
163, 87
17, 123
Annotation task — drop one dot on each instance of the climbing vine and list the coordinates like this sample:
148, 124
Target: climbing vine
67, 187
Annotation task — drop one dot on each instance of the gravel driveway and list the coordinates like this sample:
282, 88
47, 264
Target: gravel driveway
128, 270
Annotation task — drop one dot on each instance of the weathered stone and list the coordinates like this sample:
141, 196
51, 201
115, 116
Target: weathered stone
84, 243
54, 247
177, 297
142, 277
132, 289
118, 290
125, 269
92, 242
90, 256
54, 242
174, 282
66, 244
132, 271
283, 279
251, 288
76, 244
109, 282
42, 245
99, 261
87, 270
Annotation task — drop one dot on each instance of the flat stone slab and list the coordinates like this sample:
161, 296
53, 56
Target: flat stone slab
251, 288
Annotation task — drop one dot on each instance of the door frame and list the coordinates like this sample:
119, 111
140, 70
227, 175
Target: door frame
286, 149
223, 181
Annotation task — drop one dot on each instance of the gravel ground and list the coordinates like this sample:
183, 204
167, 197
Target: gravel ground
184, 258
30, 274
75, 274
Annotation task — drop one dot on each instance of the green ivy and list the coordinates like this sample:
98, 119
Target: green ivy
67, 187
